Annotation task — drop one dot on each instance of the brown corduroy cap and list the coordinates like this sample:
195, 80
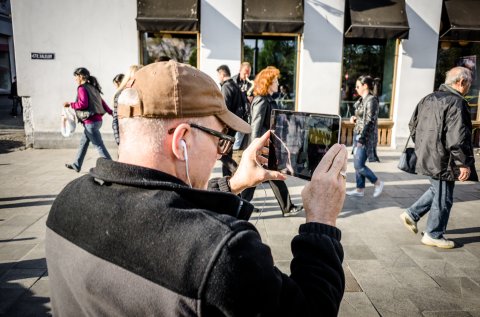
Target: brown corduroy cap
174, 90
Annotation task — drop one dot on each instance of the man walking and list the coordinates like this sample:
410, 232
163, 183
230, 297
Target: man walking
242, 79
234, 101
442, 131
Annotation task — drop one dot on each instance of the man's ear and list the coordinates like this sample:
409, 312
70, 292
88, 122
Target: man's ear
181, 134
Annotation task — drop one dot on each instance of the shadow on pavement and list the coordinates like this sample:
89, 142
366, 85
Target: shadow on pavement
18, 299
28, 204
26, 197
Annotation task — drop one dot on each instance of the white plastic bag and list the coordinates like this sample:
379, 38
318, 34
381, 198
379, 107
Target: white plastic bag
68, 122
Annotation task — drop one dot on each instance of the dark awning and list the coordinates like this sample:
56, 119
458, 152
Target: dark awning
376, 19
280, 16
167, 15
460, 20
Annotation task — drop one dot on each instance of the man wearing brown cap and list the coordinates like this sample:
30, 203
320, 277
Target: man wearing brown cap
144, 236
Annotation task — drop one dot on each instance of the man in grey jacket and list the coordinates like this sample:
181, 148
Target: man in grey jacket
442, 131
142, 236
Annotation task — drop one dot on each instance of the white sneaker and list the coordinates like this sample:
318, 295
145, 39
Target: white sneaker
409, 222
378, 189
440, 243
354, 193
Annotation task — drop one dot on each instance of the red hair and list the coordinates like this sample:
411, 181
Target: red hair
264, 79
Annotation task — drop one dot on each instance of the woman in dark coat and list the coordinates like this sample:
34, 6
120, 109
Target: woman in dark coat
266, 84
365, 137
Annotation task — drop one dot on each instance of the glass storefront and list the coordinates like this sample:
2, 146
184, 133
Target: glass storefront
180, 47
368, 57
5, 76
461, 53
278, 51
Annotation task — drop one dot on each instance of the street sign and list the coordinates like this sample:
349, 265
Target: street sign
43, 55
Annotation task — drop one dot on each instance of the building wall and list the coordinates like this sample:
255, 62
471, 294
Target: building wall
221, 35
99, 35
321, 56
105, 40
416, 63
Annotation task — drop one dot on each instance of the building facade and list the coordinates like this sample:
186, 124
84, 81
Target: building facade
320, 47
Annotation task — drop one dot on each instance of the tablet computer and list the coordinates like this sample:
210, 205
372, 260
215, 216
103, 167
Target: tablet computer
299, 140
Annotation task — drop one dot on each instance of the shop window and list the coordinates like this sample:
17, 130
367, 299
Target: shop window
278, 51
5, 80
179, 47
374, 57
460, 53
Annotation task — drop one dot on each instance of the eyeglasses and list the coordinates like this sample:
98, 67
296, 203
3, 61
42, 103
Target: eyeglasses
225, 141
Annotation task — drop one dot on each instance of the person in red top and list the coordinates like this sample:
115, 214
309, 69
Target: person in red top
89, 99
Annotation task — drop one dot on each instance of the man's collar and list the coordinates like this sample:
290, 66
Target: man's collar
444, 87
108, 172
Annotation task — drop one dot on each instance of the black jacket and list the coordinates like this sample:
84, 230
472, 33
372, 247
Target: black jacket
442, 131
262, 107
131, 241
366, 126
233, 98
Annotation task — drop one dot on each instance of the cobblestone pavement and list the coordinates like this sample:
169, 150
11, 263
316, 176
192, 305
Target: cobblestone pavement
389, 272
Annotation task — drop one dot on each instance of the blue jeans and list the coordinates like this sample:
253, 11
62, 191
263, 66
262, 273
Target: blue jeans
438, 199
361, 170
238, 140
92, 134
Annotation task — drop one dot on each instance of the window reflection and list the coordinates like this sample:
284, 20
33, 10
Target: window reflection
5, 80
461, 53
368, 57
180, 47
278, 51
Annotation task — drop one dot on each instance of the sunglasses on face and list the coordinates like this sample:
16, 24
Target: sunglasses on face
225, 141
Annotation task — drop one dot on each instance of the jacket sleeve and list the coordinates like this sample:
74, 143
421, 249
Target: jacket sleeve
82, 99
106, 107
412, 125
259, 109
228, 96
371, 116
245, 282
219, 184
458, 138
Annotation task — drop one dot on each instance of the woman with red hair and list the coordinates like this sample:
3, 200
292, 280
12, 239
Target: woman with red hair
266, 84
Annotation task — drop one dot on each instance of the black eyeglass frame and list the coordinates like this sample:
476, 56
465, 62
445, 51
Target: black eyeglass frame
223, 147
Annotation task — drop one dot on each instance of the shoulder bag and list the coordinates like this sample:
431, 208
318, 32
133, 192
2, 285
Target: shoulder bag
408, 159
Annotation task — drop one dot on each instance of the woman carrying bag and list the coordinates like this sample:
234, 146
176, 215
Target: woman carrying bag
89, 107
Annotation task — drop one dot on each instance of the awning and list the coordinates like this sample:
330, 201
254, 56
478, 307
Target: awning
280, 16
167, 15
460, 20
376, 19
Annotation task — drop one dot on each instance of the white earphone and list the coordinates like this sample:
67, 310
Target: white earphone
184, 145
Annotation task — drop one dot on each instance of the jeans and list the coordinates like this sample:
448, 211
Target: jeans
438, 199
92, 134
361, 170
238, 140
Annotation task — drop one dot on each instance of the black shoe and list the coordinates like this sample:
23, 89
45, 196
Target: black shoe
294, 211
256, 210
72, 167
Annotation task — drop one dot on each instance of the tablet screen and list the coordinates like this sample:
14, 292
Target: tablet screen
299, 140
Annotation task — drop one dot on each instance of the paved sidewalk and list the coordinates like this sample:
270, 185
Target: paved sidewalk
389, 272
